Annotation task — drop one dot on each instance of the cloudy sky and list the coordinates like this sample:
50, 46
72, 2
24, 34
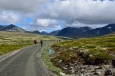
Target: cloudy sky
52, 15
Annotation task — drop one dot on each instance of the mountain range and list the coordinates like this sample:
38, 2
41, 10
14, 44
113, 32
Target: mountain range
83, 32
73, 32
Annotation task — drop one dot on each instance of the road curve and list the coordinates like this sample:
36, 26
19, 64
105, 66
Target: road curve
26, 62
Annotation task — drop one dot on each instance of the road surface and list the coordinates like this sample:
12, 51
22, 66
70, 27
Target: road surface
24, 62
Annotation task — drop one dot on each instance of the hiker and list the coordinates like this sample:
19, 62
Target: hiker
41, 42
113, 63
57, 40
35, 42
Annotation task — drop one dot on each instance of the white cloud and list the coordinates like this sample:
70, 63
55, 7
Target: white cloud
47, 14
57, 27
10, 17
77, 24
45, 22
21, 5
82, 11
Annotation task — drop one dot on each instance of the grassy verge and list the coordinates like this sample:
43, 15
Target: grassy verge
46, 59
4, 48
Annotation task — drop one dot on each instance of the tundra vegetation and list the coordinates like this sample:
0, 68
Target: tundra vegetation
10, 41
85, 51
46, 58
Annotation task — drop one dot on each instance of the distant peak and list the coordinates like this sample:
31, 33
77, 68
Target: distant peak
12, 25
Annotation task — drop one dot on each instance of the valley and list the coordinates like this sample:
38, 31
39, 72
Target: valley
96, 53
57, 38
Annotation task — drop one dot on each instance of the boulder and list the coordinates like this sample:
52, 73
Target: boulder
108, 72
113, 63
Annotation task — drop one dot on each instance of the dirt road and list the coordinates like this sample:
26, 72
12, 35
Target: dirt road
25, 62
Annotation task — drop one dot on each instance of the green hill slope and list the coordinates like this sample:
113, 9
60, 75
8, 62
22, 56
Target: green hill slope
89, 51
10, 41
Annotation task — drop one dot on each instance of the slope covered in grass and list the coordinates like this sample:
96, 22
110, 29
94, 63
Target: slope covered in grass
87, 51
10, 41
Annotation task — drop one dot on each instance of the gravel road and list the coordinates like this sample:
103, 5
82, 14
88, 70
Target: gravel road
24, 62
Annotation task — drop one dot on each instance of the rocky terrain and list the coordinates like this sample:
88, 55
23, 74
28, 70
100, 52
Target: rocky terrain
86, 57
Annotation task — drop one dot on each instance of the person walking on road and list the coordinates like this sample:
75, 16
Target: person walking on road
35, 42
41, 42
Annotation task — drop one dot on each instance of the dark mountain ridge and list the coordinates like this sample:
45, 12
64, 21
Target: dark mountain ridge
110, 28
83, 32
73, 32
35, 32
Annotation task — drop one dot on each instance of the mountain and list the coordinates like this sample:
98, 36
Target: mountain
54, 32
1, 27
36, 32
11, 28
82, 32
73, 32
44, 33
110, 28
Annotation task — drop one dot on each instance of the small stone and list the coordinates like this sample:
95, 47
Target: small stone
96, 74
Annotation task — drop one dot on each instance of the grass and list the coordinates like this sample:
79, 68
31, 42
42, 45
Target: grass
98, 48
46, 59
105, 42
5, 48
10, 41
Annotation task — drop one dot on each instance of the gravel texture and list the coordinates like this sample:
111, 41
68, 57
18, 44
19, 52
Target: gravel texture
24, 62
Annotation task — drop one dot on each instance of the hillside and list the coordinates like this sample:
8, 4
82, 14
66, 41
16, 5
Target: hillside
10, 41
86, 51
86, 32
73, 32
11, 28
